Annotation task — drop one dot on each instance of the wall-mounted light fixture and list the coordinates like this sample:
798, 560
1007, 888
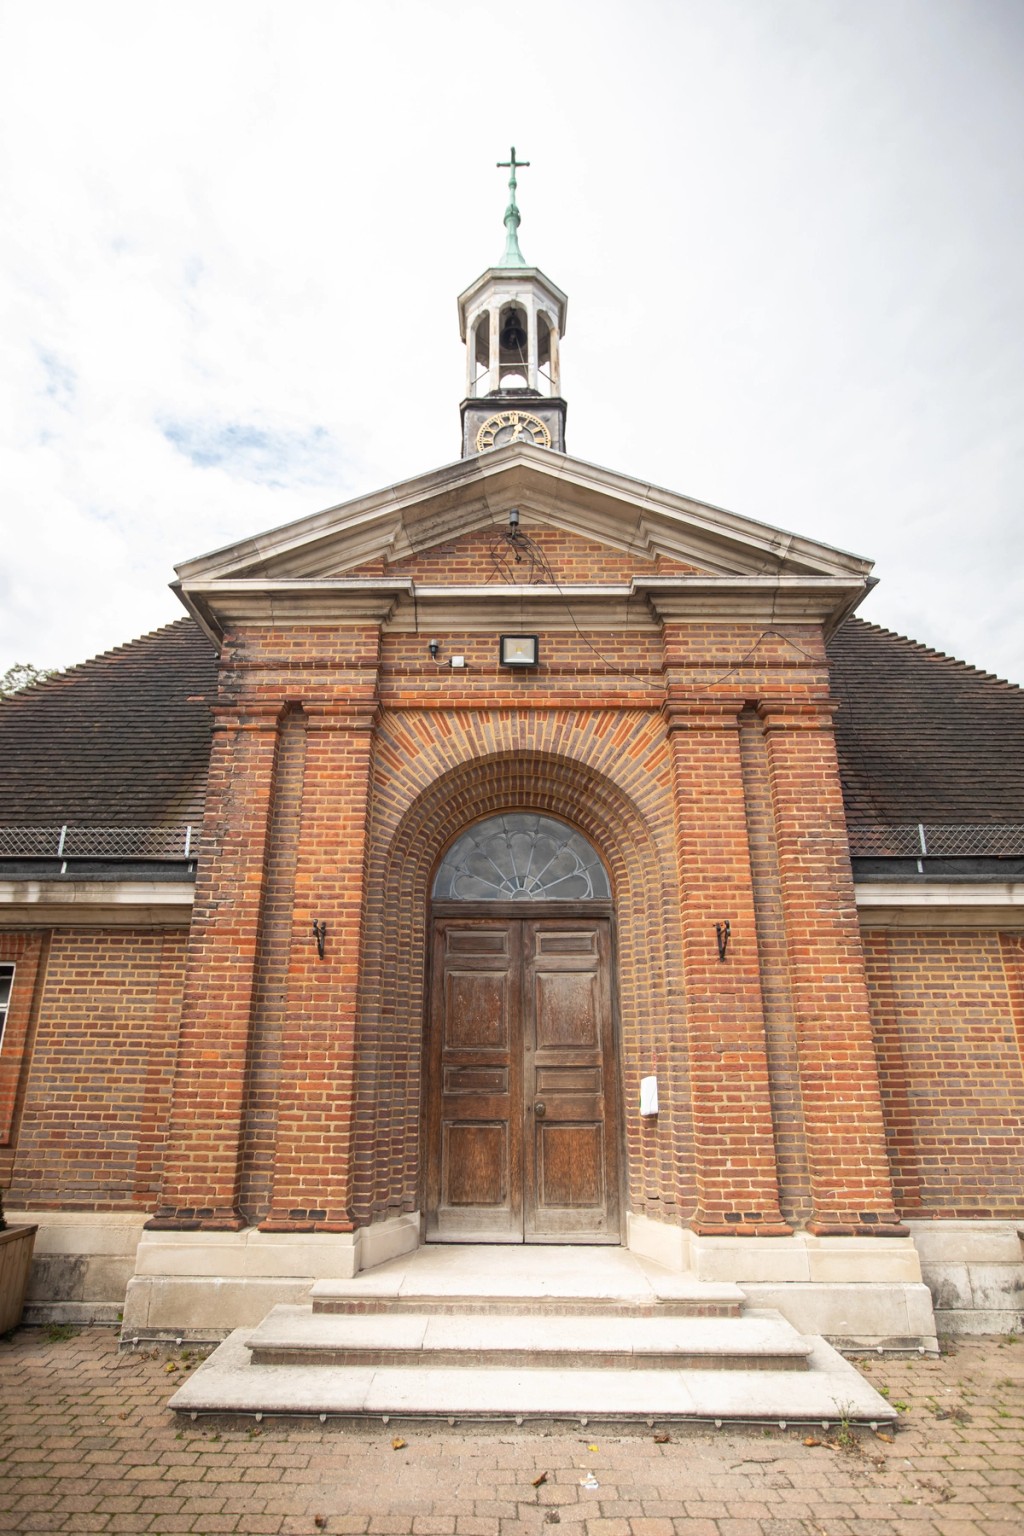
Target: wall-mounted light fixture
519, 650
320, 935
723, 932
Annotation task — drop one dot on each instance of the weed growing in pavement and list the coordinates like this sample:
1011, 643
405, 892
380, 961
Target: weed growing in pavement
58, 1332
845, 1438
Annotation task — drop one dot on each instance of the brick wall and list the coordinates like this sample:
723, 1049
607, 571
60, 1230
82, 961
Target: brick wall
698, 758
487, 556
949, 1035
92, 1107
345, 762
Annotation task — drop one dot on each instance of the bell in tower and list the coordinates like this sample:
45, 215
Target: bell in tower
512, 320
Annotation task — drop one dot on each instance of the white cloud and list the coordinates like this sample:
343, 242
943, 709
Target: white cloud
234, 234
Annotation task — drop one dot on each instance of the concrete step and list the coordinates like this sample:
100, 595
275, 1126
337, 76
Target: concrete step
326, 1298
531, 1281
829, 1391
520, 1341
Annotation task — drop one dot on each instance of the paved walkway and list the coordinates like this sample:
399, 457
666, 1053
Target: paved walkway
88, 1445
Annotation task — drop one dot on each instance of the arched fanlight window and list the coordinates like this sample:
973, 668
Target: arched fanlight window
521, 857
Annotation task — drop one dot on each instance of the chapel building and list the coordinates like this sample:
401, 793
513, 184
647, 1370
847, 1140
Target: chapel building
521, 854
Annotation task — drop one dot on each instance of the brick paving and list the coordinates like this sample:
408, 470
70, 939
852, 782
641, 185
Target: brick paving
87, 1445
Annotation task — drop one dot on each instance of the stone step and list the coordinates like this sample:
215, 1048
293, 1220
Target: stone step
520, 1341
326, 1298
531, 1281
828, 1392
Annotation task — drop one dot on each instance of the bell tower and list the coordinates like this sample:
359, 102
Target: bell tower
512, 320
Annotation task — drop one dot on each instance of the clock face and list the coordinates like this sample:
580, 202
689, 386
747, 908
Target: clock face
512, 427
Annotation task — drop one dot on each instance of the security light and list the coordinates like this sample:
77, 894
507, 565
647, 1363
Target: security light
518, 650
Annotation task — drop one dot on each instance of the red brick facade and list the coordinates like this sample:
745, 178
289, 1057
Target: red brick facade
950, 1040
89, 1066
697, 755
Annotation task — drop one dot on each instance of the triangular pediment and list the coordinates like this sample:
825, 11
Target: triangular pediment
631, 529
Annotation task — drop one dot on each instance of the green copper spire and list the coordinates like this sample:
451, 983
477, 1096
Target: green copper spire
513, 256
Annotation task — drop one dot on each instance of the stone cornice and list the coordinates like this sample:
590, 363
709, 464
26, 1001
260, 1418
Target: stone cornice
93, 903
217, 605
767, 600
945, 904
403, 606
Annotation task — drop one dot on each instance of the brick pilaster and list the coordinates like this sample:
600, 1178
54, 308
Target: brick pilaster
851, 1188
737, 1180
313, 1162
203, 1161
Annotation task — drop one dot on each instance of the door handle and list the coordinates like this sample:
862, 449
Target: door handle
539, 1110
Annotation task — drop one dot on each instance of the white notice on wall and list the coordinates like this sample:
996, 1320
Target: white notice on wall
648, 1095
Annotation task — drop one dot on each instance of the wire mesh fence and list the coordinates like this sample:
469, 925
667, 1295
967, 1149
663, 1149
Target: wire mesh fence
918, 840
909, 840
69, 842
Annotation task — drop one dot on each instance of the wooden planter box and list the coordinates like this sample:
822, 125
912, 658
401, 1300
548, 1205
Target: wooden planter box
16, 1244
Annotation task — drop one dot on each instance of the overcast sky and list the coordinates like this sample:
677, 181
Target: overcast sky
232, 233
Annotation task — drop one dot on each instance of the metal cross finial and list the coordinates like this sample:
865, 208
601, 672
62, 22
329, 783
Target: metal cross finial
513, 256
513, 164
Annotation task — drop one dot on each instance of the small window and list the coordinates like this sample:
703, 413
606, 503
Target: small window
6, 983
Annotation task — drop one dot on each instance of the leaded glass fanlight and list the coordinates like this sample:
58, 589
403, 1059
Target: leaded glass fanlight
521, 857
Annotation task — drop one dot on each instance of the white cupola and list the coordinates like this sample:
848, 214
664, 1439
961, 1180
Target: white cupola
512, 320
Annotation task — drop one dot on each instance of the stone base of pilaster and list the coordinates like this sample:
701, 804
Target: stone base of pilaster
199, 1284
859, 1294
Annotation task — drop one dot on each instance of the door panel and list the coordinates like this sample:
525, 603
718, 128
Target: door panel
475, 1164
570, 1171
474, 1184
570, 1167
476, 1011
568, 1010
522, 1125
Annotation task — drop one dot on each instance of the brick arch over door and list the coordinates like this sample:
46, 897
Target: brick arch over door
633, 833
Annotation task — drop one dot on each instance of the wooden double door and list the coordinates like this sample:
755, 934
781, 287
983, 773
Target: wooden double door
522, 1122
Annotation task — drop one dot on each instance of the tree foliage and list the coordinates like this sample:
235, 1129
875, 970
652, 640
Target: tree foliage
22, 675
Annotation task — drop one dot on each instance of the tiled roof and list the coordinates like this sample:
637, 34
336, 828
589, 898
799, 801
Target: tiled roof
922, 737
122, 740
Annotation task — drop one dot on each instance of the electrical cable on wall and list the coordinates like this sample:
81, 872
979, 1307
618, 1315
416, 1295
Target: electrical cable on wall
518, 546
